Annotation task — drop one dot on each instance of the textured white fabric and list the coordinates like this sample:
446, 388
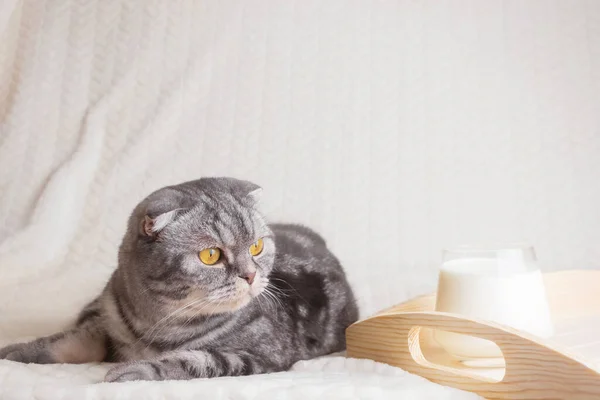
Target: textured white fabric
326, 378
395, 128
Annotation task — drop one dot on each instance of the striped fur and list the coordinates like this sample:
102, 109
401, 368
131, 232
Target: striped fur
165, 315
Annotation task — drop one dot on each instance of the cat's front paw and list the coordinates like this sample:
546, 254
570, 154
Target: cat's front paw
10, 352
136, 371
32, 352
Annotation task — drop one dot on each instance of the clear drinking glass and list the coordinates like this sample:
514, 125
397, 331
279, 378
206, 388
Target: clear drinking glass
502, 284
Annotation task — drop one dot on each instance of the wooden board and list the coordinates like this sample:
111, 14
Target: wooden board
562, 367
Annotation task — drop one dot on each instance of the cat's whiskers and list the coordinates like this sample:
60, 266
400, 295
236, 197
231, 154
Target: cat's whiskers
289, 285
275, 291
221, 296
272, 301
215, 306
272, 296
203, 304
156, 332
260, 305
187, 321
260, 296
166, 319
218, 292
269, 303
278, 290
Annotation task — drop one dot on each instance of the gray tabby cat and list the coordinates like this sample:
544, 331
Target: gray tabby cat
205, 288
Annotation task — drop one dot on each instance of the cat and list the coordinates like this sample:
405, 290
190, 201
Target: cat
204, 287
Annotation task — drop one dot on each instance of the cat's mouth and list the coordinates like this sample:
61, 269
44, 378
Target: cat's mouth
242, 295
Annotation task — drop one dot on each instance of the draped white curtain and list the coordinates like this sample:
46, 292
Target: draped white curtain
394, 128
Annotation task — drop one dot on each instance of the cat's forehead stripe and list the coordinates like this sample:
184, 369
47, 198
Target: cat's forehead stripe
231, 217
226, 235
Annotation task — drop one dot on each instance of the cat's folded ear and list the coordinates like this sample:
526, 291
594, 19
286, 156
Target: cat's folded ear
254, 196
249, 193
160, 209
151, 226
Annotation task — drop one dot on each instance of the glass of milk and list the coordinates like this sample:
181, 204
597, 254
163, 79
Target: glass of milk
500, 284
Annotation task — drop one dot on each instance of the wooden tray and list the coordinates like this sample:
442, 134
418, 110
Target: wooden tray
562, 367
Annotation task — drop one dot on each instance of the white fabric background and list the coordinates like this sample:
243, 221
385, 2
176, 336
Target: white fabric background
395, 128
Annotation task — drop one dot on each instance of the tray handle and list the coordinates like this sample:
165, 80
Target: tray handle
534, 369
418, 356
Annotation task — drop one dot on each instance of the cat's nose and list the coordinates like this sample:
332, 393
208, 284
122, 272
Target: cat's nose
248, 276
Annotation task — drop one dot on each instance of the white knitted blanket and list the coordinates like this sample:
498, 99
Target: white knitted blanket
395, 128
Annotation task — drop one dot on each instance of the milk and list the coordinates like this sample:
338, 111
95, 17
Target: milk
498, 290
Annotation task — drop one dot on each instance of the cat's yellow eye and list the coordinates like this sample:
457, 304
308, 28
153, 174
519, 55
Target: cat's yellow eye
210, 256
257, 247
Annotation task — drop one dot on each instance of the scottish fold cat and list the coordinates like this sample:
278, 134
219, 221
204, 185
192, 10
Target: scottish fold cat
205, 287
